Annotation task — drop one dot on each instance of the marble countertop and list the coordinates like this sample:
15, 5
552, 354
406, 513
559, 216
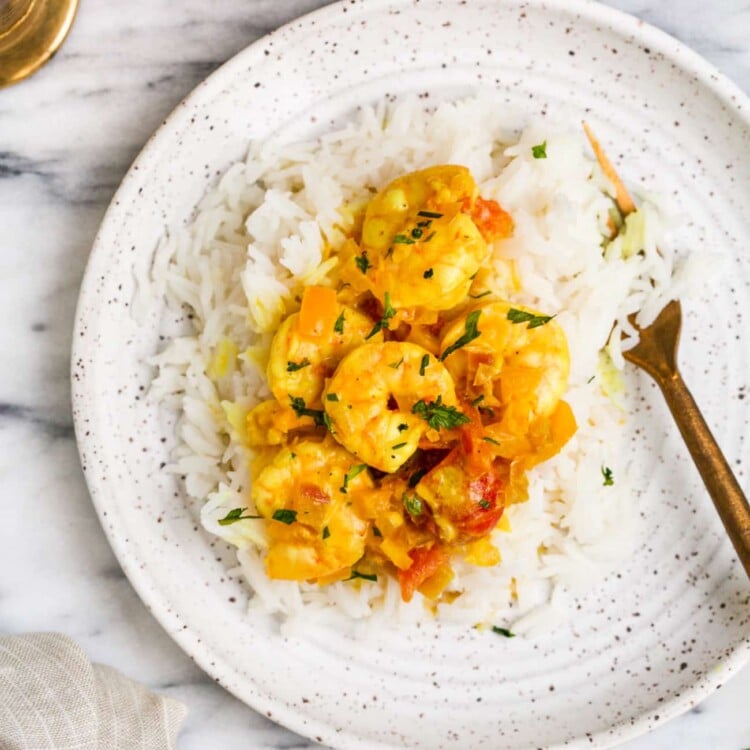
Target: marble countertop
67, 136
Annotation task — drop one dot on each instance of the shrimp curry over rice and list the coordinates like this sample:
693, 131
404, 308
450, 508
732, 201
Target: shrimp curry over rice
409, 399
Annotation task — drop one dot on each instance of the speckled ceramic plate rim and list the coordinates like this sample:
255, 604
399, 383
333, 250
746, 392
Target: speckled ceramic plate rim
672, 50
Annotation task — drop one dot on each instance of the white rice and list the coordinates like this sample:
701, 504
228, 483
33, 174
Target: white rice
259, 235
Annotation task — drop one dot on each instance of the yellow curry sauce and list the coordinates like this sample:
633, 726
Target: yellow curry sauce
408, 400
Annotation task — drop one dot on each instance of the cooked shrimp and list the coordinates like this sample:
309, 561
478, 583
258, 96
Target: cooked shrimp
298, 364
511, 356
305, 493
419, 242
378, 400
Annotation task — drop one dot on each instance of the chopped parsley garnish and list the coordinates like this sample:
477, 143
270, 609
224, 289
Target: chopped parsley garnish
423, 364
397, 446
283, 515
412, 504
609, 478
402, 239
320, 418
332, 396
429, 237
403, 426
416, 233
326, 532
590, 379
478, 400
480, 295
490, 440
415, 478
428, 274
294, 366
233, 516
470, 333
437, 414
353, 472
396, 365
503, 631
338, 326
430, 214
377, 532
365, 576
485, 504
523, 316
388, 313
362, 262
540, 151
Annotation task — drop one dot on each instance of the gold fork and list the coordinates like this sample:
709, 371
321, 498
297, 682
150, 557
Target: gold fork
656, 353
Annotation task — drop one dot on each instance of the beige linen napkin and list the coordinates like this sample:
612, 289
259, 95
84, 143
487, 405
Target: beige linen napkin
53, 698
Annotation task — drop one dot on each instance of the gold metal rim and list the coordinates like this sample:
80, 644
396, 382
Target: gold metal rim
34, 38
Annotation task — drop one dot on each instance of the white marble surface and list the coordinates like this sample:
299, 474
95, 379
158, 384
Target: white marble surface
67, 137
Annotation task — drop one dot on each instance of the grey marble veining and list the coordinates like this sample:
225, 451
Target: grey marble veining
67, 137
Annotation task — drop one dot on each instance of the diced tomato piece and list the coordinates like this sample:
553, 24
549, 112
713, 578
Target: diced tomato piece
483, 493
426, 563
492, 220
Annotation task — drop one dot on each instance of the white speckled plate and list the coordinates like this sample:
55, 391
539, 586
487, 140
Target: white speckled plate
652, 640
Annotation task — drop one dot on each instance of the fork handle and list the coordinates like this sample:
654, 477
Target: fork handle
722, 485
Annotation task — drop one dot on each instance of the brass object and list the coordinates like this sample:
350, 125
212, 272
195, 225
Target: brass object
656, 353
31, 31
